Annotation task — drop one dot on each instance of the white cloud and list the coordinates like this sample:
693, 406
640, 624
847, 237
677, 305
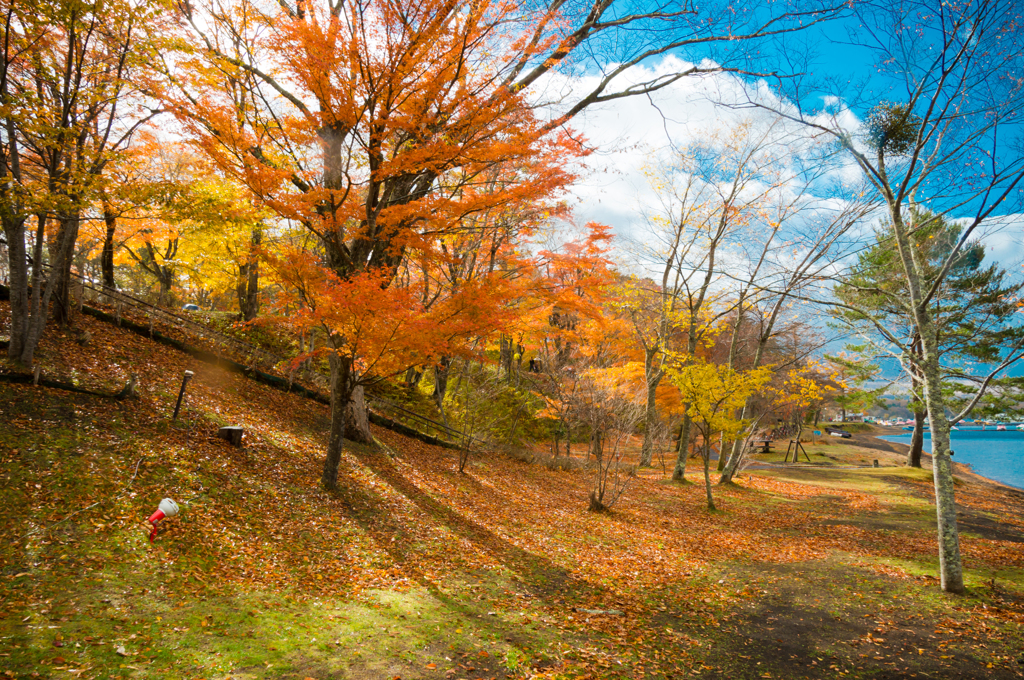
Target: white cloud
635, 136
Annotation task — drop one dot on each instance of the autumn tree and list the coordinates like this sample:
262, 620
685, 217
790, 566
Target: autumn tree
713, 394
651, 317
783, 277
68, 107
568, 330
712, 193
611, 405
374, 331
371, 123
176, 219
126, 189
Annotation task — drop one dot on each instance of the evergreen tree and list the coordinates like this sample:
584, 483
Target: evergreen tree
972, 309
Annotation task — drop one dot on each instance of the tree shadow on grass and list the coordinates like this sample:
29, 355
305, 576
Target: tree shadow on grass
824, 619
543, 577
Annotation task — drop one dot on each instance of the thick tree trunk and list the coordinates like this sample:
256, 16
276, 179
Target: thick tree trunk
107, 255
679, 473
29, 313
505, 355
166, 279
248, 286
39, 303
61, 259
413, 377
441, 372
916, 441
17, 264
357, 420
341, 395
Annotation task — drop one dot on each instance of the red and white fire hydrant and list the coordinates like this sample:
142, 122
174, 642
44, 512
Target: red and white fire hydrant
167, 508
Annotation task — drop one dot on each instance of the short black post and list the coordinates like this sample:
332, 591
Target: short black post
232, 434
181, 393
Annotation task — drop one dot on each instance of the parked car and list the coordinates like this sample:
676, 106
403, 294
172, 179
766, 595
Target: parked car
835, 432
190, 307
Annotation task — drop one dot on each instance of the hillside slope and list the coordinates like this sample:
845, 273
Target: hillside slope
415, 571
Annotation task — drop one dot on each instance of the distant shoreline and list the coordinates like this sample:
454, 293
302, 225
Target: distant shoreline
965, 469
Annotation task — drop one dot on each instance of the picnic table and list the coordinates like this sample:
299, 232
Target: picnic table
763, 445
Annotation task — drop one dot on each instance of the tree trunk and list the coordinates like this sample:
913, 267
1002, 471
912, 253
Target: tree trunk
505, 355
950, 564
17, 263
28, 313
679, 473
413, 377
722, 445
39, 303
249, 280
597, 446
518, 360
916, 441
107, 256
653, 377
61, 259
341, 394
707, 472
441, 372
357, 420
166, 279
736, 455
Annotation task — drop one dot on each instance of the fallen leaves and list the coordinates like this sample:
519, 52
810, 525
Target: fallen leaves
256, 520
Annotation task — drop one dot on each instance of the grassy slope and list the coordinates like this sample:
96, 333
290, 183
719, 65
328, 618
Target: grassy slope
415, 571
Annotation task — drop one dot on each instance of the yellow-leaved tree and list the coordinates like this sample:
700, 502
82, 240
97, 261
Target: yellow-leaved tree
713, 395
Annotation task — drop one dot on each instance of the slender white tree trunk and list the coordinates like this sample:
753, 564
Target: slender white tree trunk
950, 564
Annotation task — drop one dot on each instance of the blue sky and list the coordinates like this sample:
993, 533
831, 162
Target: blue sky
634, 136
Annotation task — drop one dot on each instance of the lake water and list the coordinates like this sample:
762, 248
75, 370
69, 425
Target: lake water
991, 453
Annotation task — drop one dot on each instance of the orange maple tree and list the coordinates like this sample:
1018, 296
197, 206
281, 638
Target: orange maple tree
375, 124
383, 128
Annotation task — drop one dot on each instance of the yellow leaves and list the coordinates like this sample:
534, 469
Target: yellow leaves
810, 385
714, 393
